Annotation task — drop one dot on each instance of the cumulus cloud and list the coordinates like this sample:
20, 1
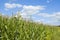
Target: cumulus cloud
53, 18
44, 14
27, 10
13, 5
55, 15
31, 10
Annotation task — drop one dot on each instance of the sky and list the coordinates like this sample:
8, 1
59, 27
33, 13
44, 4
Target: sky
45, 11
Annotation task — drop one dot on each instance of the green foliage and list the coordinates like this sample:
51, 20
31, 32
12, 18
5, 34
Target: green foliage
16, 29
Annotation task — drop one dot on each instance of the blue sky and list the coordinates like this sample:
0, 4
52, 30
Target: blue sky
46, 11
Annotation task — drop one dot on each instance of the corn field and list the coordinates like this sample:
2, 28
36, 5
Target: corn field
15, 29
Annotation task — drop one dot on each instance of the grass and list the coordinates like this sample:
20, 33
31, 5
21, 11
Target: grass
15, 29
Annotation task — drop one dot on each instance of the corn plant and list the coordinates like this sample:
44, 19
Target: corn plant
15, 29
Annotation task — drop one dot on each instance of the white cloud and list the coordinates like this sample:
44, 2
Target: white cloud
51, 18
44, 14
13, 5
31, 10
30, 7
27, 10
55, 15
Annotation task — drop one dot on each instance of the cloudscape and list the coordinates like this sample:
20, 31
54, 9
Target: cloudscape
46, 11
